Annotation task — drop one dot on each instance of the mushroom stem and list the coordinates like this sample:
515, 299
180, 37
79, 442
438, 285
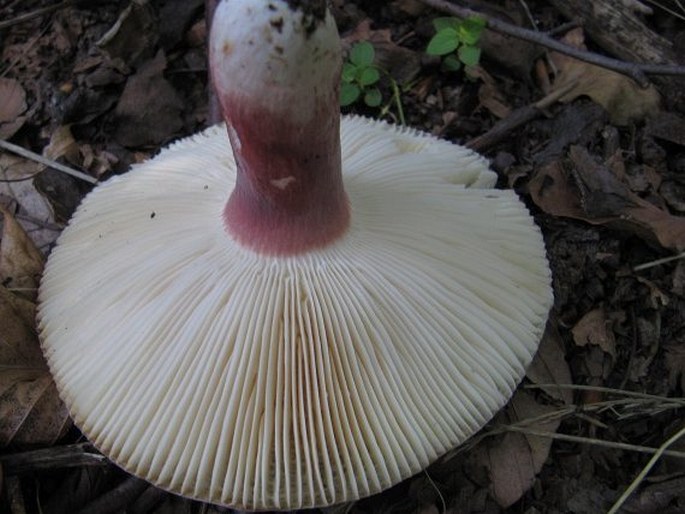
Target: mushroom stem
276, 69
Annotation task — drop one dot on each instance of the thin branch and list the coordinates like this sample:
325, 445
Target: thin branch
610, 390
596, 442
645, 471
27, 154
658, 262
35, 14
504, 127
636, 71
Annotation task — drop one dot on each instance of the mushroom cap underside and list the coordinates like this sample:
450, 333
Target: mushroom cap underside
288, 382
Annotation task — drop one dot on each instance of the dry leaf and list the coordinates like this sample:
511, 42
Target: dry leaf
590, 192
12, 106
12, 100
133, 36
594, 328
622, 97
21, 263
30, 409
668, 126
514, 459
413, 8
549, 365
62, 144
149, 110
35, 213
489, 94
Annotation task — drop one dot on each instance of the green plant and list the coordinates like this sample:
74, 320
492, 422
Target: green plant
360, 76
456, 41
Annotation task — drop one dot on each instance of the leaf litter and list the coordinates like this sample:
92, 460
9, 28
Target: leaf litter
600, 218
31, 412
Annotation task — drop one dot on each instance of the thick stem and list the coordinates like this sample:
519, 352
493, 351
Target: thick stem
276, 69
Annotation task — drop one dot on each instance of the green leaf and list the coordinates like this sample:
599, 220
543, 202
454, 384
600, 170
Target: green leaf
368, 76
373, 97
471, 29
443, 43
349, 93
445, 23
362, 54
451, 63
469, 55
349, 72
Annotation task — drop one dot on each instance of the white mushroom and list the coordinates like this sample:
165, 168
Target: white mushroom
294, 343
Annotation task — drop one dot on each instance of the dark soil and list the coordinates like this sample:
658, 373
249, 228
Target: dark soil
613, 325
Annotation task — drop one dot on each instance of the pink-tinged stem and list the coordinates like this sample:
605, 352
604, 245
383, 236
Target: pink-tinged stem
276, 68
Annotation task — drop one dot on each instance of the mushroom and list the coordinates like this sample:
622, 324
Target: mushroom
306, 320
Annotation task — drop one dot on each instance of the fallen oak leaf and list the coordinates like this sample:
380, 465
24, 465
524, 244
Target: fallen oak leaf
21, 263
594, 328
150, 109
514, 459
20, 195
13, 103
489, 95
590, 192
30, 409
622, 97
12, 107
549, 366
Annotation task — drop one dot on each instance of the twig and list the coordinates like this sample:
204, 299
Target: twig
658, 262
596, 442
666, 8
609, 390
516, 118
637, 71
27, 154
648, 467
35, 14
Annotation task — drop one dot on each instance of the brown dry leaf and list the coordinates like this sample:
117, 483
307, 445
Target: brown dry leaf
549, 365
17, 189
149, 110
590, 192
668, 126
30, 409
62, 144
133, 37
12, 100
411, 7
514, 459
12, 106
622, 97
21, 263
594, 328
489, 94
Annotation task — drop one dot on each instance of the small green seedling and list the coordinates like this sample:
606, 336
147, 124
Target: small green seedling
456, 40
360, 76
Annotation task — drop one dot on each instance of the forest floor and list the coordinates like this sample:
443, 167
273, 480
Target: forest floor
598, 159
